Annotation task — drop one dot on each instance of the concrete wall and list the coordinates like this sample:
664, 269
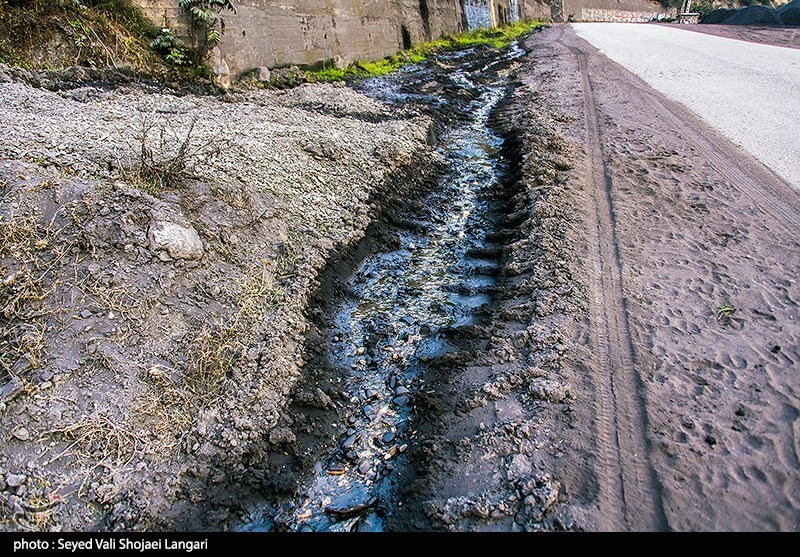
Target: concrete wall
278, 33
614, 10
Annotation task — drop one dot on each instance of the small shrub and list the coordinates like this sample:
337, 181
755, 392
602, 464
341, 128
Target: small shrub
171, 48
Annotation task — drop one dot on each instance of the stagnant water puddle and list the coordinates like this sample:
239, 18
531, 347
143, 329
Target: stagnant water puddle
440, 274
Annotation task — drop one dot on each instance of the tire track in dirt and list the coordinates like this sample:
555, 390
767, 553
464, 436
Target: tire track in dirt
629, 495
772, 195
765, 191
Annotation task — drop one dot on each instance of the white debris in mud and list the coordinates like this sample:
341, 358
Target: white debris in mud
181, 242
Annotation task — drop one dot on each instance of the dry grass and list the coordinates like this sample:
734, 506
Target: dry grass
166, 157
100, 440
260, 291
40, 506
28, 256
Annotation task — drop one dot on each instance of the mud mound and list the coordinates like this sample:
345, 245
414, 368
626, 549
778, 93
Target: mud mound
755, 15
718, 16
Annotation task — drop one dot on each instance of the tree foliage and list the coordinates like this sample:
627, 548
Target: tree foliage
206, 23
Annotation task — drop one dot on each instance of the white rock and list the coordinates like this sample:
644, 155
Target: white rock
263, 73
519, 468
15, 480
181, 242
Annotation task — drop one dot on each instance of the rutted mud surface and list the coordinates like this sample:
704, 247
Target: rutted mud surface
430, 278
518, 329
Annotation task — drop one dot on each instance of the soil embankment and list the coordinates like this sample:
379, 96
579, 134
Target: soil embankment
158, 254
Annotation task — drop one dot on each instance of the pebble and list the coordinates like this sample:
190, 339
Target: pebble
317, 467
400, 400
388, 437
364, 467
336, 469
402, 448
15, 480
22, 434
367, 409
86, 314
392, 381
349, 442
351, 455
360, 351
351, 419
371, 394
401, 391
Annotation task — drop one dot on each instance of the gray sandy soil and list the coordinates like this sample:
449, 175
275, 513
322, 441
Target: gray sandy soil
775, 36
151, 334
688, 223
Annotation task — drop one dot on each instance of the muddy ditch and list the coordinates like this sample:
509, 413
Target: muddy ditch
399, 313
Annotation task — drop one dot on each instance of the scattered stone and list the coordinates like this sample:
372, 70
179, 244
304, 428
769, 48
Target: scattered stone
262, 74
349, 442
344, 510
22, 434
519, 468
15, 480
180, 242
336, 469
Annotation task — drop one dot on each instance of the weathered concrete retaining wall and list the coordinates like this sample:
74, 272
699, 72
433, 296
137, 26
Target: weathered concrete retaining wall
615, 10
305, 32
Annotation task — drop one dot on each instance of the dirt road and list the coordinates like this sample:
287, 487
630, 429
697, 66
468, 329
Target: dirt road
747, 91
696, 409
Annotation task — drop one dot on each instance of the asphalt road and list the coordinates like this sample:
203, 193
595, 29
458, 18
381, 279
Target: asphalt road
748, 92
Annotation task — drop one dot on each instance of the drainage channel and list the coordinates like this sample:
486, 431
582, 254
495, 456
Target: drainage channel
438, 274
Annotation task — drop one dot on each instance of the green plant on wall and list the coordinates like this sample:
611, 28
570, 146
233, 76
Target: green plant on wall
171, 48
206, 24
